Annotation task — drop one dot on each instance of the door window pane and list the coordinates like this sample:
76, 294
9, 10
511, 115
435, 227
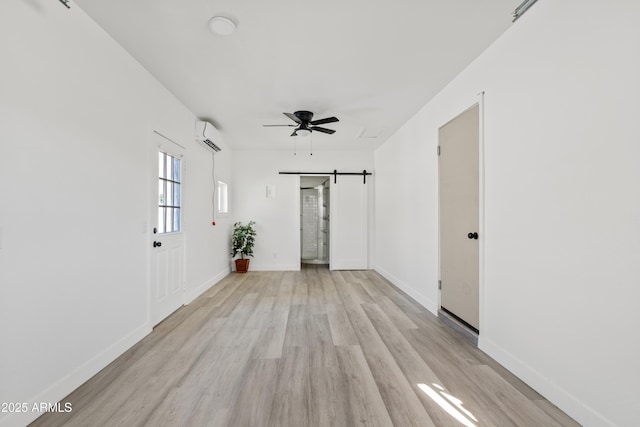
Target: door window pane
169, 188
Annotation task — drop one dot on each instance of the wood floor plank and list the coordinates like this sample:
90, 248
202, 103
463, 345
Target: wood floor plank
331, 295
208, 412
285, 290
455, 380
316, 292
297, 334
354, 288
253, 405
176, 409
366, 406
513, 404
238, 318
217, 289
327, 388
291, 406
300, 290
397, 316
342, 332
123, 389
221, 369
271, 340
402, 300
402, 403
414, 368
319, 331
270, 284
231, 299
257, 319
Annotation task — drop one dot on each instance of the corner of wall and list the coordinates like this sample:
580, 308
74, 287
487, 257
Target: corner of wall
421, 299
206, 285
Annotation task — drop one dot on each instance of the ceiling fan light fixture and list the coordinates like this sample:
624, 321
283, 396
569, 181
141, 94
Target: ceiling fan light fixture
222, 25
303, 132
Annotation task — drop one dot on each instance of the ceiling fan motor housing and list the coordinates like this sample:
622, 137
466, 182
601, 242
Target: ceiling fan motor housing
304, 116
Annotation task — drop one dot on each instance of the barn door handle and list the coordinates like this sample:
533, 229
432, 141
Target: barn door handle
473, 236
157, 244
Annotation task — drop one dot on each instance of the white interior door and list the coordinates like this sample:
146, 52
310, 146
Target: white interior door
348, 223
167, 238
459, 216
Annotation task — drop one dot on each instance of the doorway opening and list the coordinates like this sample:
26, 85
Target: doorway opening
314, 219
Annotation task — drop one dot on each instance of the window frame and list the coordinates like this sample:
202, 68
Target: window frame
169, 194
222, 198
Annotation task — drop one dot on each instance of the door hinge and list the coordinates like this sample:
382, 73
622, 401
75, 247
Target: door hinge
439, 285
438, 150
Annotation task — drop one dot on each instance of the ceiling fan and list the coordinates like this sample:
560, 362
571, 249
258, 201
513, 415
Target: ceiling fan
304, 125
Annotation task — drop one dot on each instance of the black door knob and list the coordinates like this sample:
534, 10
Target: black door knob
473, 236
157, 244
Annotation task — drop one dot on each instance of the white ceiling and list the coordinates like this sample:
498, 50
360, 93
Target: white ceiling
371, 63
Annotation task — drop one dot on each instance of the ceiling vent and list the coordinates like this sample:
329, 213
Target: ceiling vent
370, 133
520, 10
207, 133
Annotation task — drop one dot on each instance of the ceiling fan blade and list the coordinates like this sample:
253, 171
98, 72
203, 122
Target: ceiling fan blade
323, 121
323, 130
268, 126
295, 133
292, 117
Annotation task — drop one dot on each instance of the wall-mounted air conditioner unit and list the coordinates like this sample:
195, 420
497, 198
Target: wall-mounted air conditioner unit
207, 134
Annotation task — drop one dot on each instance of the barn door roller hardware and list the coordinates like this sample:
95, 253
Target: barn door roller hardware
335, 174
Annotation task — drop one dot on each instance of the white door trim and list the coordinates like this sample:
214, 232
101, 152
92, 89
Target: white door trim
160, 143
481, 212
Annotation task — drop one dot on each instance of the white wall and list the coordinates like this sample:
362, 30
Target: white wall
562, 210
277, 219
76, 119
207, 246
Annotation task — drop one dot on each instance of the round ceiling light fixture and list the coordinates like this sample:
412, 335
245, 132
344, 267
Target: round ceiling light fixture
303, 132
222, 25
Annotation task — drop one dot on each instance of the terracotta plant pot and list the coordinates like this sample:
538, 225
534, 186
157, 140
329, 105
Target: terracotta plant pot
242, 265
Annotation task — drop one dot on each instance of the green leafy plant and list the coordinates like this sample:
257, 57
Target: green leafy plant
243, 239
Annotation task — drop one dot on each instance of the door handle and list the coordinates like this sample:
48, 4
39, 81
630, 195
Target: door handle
157, 244
473, 236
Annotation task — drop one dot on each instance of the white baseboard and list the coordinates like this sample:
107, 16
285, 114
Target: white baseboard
421, 299
278, 267
560, 397
195, 293
59, 390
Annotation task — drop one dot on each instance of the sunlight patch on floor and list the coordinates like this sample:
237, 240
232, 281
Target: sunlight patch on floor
449, 403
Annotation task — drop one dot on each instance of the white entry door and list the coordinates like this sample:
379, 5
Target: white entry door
349, 223
459, 216
167, 239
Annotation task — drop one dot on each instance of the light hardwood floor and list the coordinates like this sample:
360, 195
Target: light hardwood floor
308, 348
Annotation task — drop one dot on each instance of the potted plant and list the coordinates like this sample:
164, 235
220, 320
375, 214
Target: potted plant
242, 242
